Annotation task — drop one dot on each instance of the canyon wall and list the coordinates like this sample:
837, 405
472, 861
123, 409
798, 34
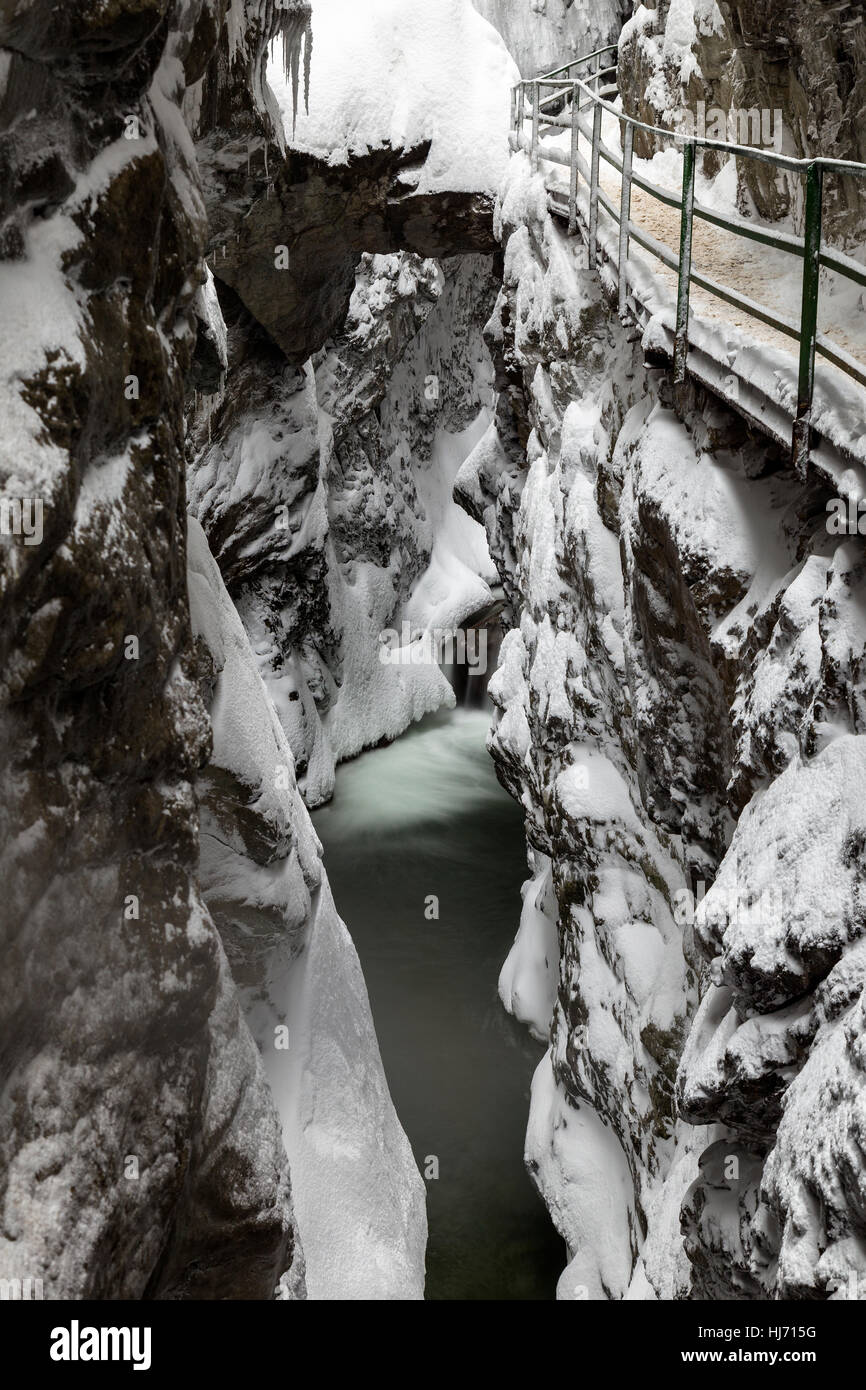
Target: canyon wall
325, 494
211, 1098
351, 273
542, 36
167, 908
141, 1150
679, 710
208, 310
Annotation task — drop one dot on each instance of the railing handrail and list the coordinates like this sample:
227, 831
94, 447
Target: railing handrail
575, 62
703, 142
768, 236
783, 161
809, 247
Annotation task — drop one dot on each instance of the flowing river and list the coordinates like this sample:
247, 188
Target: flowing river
419, 827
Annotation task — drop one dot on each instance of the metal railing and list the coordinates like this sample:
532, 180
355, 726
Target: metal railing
585, 84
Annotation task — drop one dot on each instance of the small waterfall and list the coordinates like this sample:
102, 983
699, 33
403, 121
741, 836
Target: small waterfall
474, 656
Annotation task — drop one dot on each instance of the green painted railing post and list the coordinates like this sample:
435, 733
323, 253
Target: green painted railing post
625, 214
593, 185
687, 222
575, 136
536, 114
809, 315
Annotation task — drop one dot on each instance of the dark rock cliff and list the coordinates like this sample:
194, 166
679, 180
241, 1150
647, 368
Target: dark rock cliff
141, 1153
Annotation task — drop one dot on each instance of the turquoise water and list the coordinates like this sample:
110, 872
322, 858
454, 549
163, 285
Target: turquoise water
424, 819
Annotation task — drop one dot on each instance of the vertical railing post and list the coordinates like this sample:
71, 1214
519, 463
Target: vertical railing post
687, 222
575, 137
809, 316
536, 113
625, 214
593, 185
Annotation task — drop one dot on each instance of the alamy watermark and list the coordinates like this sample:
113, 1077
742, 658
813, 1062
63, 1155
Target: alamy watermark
734, 905
846, 516
77, 1343
741, 125
20, 1290
435, 647
22, 516
758, 127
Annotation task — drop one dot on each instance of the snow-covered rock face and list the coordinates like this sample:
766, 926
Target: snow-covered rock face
357, 1196
541, 35
326, 496
166, 908
407, 73
680, 712
292, 258
399, 144
337, 390
141, 1150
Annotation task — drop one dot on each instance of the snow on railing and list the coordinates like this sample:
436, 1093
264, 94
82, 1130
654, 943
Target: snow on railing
588, 83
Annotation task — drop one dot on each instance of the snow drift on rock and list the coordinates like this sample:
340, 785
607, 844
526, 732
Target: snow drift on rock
403, 72
358, 1197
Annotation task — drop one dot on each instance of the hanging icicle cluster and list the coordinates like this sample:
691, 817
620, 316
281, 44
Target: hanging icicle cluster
297, 36
290, 20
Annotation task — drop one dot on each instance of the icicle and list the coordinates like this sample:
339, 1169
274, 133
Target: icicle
308, 53
287, 42
297, 35
266, 159
296, 66
235, 20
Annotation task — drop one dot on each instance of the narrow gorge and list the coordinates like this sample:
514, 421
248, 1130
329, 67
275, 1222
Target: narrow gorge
433, 632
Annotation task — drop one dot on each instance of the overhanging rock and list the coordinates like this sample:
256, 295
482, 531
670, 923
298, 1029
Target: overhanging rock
292, 259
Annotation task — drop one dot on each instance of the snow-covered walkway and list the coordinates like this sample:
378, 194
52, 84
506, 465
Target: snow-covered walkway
767, 276
753, 364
